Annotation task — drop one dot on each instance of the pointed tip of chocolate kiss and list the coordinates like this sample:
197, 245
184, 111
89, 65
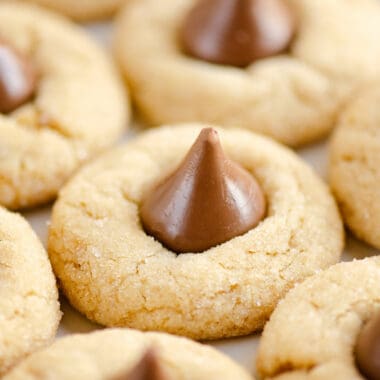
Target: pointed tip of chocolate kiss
368, 348
237, 32
207, 201
208, 134
207, 142
148, 368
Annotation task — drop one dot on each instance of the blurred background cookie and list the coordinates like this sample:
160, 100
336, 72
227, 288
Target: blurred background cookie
117, 354
61, 102
82, 10
279, 68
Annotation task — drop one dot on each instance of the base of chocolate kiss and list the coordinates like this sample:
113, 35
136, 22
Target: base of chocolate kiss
237, 32
207, 201
148, 368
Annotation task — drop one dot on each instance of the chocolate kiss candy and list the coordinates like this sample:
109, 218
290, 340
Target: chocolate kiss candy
208, 200
368, 349
148, 368
237, 32
17, 78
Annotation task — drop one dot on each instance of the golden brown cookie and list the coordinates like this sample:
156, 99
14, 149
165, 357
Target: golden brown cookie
354, 165
29, 308
116, 274
313, 332
79, 106
106, 354
293, 97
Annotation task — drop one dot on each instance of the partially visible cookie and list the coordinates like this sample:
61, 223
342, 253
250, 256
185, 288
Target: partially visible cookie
118, 275
354, 165
79, 106
29, 308
293, 97
83, 10
313, 332
103, 355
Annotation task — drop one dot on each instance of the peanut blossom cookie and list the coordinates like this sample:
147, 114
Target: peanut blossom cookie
354, 166
122, 354
29, 308
83, 10
60, 102
327, 327
167, 234
282, 68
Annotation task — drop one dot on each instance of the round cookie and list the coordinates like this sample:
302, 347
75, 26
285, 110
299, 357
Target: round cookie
117, 275
313, 331
105, 354
293, 98
79, 107
354, 165
83, 10
29, 308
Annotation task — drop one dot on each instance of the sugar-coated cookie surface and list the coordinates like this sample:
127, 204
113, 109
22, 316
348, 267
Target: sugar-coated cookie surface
313, 331
354, 165
104, 354
82, 10
294, 97
79, 109
29, 308
117, 275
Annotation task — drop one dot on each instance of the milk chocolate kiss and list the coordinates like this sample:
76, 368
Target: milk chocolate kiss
148, 368
18, 78
237, 32
208, 200
367, 350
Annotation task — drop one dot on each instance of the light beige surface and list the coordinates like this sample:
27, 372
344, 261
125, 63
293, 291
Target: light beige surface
293, 98
82, 10
102, 355
80, 106
312, 333
117, 275
354, 165
29, 308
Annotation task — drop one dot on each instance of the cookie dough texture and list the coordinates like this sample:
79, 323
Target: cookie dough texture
312, 333
82, 10
294, 98
117, 275
105, 354
29, 308
79, 109
354, 165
